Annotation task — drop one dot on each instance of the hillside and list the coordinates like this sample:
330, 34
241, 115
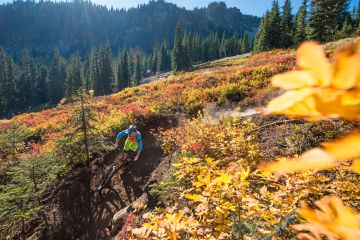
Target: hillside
203, 143
81, 25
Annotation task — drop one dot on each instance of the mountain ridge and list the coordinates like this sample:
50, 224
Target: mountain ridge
80, 25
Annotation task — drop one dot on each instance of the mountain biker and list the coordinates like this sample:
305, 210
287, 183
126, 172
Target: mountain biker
133, 143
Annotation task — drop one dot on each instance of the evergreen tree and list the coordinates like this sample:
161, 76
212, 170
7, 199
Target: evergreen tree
123, 74
56, 78
197, 48
287, 25
41, 91
223, 46
300, 24
74, 79
326, 18
164, 59
105, 69
274, 27
245, 43
9, 88
26, 82
346, 29
86, 70
179, 58
357, 19
137, 72
131, 66
6, 85
187, 48
234, 46
94, 74
262, 36
12, 142
81, 138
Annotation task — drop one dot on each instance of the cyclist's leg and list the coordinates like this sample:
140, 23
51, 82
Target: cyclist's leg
132, 155
133, 150
127, 145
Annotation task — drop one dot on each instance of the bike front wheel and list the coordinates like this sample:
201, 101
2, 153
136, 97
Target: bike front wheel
107, 177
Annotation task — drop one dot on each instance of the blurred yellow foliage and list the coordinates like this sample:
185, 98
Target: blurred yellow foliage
320, 89
333, 220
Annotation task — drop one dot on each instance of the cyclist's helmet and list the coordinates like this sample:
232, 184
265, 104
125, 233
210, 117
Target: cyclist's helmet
131, 129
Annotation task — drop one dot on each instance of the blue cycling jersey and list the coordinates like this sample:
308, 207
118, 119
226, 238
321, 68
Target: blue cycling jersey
137, 138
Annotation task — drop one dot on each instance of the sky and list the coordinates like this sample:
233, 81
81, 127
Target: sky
253, 7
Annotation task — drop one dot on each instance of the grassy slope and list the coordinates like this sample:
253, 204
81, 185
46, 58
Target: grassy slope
241, 80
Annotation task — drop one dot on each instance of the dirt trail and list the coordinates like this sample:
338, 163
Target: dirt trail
76, 210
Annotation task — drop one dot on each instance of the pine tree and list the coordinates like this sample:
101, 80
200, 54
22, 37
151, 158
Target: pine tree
223, 46
87, 71
41, 91
26, 82
81, 138
161, 64
131, 66
94, 74
358, 19
138, 70
74, 79
123, 74
300, 24
326, 18
346, 29
179, 58
197, 48
167, 58
9, 88
154, 60
274, 27
4, 84
262, 36
287, 25
105, 69
56, 78
12, 142
245, 43
187, 48
234, 46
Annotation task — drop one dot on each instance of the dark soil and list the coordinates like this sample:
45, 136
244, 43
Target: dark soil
74, 209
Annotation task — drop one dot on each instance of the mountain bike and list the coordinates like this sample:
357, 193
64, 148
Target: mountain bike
124, 158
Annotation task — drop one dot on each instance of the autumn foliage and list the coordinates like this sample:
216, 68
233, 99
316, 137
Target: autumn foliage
221, 184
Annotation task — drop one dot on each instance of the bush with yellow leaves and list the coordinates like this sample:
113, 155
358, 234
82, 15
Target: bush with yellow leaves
217, 192
320, 89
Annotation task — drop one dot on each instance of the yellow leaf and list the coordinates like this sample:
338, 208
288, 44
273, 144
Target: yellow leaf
288, 99
347, 68
346, 148
311, 57
195, 197
321, 89
224, 179
356, 165
293, 80
334, 219
314, 159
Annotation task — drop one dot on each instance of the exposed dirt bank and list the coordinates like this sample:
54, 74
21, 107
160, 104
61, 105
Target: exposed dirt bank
74, 209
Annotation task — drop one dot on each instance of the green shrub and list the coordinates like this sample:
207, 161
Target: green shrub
231, 93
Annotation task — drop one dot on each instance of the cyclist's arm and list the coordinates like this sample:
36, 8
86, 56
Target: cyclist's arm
119, 136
